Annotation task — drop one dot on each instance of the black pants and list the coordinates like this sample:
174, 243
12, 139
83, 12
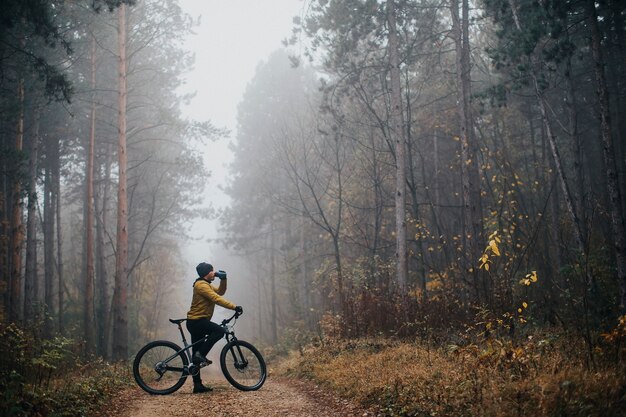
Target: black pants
200, 328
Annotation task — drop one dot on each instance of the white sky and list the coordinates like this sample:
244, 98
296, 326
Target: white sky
233, 37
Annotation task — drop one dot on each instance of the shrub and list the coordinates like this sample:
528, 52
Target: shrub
45, 377
532, 378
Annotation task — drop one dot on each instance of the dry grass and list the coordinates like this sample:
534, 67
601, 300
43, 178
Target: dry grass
497, 379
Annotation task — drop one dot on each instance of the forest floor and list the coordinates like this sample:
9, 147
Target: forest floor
285, 397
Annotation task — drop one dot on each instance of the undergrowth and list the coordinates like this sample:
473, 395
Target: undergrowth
542, 375
48, 377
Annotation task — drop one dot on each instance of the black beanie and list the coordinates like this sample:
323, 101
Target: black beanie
203, 269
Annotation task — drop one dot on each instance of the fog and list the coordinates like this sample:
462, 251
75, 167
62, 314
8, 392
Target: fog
232, 39
426, 190
419, 164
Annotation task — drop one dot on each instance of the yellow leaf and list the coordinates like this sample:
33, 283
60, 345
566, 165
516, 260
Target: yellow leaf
607, 336
524, 304
494, 247
519, 310
486, 267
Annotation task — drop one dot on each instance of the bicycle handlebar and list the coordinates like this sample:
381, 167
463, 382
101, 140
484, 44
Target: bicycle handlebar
234, 316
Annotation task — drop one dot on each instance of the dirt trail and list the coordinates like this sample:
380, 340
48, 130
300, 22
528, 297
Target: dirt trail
278, 397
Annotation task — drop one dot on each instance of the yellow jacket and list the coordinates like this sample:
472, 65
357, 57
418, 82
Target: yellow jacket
205, 296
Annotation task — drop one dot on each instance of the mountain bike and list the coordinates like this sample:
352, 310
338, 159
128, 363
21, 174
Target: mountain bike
161, 367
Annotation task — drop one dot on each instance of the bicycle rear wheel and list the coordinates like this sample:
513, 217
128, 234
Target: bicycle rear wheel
159, 368
243, 365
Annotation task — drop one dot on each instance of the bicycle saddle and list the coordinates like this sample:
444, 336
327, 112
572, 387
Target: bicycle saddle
177, 321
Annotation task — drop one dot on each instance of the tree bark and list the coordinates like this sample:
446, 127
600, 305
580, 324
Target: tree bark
17, 227
400, 147
120, 308
88, 313
30, 273
48, 228
4, 236
104, 301
608, 150
59, 233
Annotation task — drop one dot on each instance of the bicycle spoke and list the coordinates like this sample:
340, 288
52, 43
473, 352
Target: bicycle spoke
243, 366
159, 369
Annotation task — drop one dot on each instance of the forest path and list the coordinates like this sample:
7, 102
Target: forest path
278, 397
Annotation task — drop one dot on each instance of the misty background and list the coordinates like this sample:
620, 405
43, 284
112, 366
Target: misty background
231, 40
395, 168
430, 191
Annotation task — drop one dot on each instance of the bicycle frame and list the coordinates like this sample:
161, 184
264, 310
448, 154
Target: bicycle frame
228, 335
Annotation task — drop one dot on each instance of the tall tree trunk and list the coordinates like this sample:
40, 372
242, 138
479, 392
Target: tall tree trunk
617, 66
377, 198
336, 231
88, 313
273, 300
4, 239
418, 242
48, 229
104, 302
615, 204
4, 231
30, 273
120, 308
470, 178
579, 179
400, 147
17, 228
59, 233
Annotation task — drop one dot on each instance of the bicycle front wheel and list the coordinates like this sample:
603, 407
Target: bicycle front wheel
243, 366
160, 367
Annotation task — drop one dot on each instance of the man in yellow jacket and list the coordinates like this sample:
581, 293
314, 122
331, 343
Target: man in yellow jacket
199, 323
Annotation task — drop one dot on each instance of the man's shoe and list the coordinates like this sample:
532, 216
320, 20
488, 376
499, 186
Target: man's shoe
199, 389
198, 359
